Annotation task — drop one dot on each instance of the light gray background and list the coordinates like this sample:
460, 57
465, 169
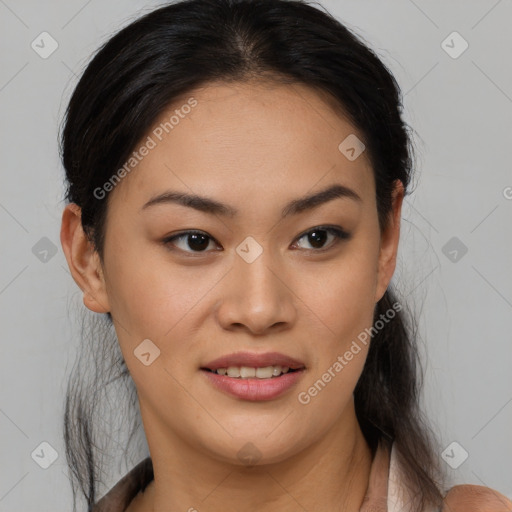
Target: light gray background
460, 107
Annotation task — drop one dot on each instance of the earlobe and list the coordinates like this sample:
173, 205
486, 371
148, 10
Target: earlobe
83, 261
389, 243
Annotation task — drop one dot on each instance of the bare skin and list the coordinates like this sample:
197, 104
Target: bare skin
254, 147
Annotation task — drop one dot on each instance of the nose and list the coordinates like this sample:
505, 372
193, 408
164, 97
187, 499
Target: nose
257, 298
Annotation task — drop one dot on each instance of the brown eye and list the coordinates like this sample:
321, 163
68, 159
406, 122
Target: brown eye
190, 241
318, 236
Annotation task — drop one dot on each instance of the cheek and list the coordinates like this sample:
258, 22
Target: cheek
344, 310
156, 299
348, 296
327, 393
342, 294
149, 293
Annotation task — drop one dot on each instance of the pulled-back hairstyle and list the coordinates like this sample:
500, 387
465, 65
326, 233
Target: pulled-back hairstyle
166, 54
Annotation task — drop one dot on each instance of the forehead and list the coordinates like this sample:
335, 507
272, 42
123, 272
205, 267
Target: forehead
224, 137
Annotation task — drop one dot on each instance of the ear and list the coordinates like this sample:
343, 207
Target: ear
389, 242
83, 260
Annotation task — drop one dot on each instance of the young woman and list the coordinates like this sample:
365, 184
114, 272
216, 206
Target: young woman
235, 171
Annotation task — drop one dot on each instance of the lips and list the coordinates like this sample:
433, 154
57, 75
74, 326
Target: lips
254, 360
254, 390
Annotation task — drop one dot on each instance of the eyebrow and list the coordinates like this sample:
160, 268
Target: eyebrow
294, 207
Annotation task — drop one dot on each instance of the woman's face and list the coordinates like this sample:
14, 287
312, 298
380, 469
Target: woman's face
261, 280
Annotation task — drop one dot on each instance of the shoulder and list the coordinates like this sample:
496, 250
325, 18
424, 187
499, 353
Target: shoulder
475, 498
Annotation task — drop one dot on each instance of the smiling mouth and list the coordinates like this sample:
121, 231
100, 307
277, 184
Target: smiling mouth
246, 372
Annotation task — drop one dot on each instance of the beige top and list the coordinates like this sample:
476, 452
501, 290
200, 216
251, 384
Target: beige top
385, 491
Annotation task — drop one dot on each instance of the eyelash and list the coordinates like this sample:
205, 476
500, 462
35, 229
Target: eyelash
338, 233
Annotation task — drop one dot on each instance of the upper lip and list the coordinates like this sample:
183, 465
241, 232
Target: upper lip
254, 360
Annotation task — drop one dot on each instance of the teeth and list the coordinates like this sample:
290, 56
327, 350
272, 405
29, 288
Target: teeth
233, 371
245, 372
276, 370
268, 371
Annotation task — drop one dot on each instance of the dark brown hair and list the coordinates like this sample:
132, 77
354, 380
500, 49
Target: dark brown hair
169, 52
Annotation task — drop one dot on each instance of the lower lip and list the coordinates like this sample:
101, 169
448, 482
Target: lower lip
254, 389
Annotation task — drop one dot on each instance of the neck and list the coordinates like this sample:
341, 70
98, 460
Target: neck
332, 474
